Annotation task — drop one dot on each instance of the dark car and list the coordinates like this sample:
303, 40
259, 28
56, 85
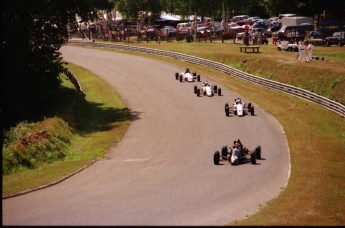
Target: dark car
271, 30
151, 32
302, 29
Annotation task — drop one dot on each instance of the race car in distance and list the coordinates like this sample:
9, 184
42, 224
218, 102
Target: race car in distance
237, 154
239, 108
207, 90
187, 76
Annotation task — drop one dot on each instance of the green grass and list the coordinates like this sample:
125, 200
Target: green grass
99, 120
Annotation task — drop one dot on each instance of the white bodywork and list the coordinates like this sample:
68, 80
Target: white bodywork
239, 109
188, 77
208, 90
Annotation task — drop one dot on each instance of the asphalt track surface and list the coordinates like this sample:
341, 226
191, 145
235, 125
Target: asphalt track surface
162, 171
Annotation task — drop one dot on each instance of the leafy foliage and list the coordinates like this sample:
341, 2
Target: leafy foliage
32, 34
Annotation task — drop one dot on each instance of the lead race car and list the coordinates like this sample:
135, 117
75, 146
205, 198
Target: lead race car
237, 154
187, 76
207, 90
239, 108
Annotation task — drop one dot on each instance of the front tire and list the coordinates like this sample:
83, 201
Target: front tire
224, 151
176, 76
227, 111
198, 77
219, 92
195, 89
181, 78
216, 158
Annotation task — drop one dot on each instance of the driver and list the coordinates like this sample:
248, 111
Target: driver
187, 71
206, 83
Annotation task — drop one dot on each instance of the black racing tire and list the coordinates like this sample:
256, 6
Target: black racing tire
219, 92
258, 152
198, 92
224, 151
176, 75
215, 88
181, 78
227, 110
216, 158
198, 77
252, 112
195, 89
253, 158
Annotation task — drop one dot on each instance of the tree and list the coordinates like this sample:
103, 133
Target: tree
32, 34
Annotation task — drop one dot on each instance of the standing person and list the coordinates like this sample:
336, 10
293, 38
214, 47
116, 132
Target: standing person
301, 52
310, 48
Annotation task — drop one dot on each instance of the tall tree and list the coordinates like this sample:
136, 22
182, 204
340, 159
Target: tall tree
32, 34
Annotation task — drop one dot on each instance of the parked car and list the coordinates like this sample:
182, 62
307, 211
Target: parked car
240, 19
169, 30
151, 32
182, 28
271, 30
337, 38
287, 47
232, 33
251, 20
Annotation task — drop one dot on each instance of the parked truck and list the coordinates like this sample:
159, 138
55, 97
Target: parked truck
337, 38
293, 21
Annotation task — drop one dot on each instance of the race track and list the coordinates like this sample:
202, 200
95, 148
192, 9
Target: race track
162, 171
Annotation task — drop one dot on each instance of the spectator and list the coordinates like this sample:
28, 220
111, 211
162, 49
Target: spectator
301, 52
310, 48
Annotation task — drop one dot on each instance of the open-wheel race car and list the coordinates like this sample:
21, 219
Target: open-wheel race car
237, 154
207, 90
187, 76
239, 108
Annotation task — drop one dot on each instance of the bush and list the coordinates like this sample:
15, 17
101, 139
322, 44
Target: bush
28, 145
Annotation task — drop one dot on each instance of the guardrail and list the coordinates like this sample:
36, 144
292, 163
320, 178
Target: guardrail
74, 80
302, 93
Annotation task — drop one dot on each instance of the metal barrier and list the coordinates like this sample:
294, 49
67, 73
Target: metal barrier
302, 93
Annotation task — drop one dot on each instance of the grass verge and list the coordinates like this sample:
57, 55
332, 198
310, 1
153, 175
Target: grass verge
99, 120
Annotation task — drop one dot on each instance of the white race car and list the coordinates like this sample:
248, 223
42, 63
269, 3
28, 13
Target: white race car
239, 108
187, 76
207, 90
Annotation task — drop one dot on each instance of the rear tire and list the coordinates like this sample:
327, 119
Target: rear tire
258, 152
198, 77
195, 89
216, 158
181, 78
198, 92
252, 111
219, 92
176, 76
253, 158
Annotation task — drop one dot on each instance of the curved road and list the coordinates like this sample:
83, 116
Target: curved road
162, 171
